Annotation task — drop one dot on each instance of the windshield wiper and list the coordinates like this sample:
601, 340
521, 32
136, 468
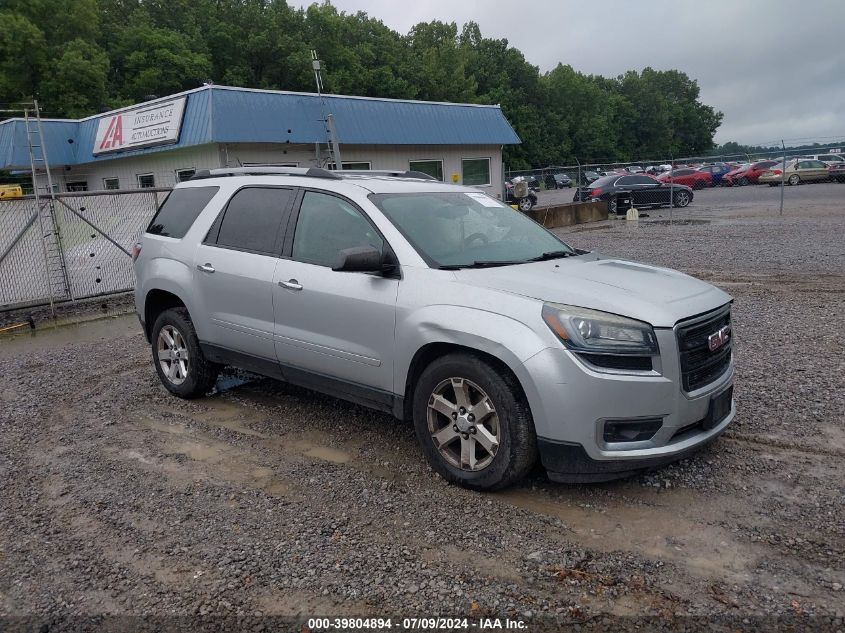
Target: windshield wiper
551, 255
481, 264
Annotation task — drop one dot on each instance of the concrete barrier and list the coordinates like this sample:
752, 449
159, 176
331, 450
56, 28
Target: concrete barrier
566, 214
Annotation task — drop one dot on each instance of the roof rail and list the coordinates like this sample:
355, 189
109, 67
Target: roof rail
389, 173
310, 172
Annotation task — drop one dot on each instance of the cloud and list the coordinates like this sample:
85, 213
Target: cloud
775, 69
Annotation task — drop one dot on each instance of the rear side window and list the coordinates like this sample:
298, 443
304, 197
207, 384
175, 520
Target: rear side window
252, 220
178, 212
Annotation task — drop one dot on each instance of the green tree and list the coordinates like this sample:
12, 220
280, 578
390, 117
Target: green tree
23, 57
79, 55
151, 60
78, 79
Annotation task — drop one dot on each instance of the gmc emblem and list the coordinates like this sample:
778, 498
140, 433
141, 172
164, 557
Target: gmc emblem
719, 338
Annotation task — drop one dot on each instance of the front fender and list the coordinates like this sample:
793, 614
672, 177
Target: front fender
505, 338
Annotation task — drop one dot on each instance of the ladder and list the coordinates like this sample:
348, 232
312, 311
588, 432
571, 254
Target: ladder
54, 259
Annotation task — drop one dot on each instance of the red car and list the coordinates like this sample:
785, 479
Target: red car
690, 177
748, 173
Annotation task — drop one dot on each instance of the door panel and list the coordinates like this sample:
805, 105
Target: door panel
235, 267
237, 299
339, 324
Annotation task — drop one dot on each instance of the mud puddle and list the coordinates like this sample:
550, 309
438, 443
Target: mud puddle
52, 337
655, 531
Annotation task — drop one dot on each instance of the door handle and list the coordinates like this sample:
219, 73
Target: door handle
206, 268
291, 284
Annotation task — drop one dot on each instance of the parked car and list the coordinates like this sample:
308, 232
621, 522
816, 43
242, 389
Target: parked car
827, 159
621, 192
689, 177
717, 171
558, 181
634, 169
526, 203
442, 306
836, 171
798, 170
747, 174
589, 176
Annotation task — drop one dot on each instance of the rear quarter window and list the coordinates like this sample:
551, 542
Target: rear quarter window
179, 210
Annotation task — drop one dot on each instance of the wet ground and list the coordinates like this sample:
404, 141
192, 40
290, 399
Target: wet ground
264, 499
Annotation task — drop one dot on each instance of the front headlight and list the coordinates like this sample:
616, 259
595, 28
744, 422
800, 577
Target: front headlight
592, 332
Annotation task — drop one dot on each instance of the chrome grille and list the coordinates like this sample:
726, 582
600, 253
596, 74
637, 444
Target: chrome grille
699, 365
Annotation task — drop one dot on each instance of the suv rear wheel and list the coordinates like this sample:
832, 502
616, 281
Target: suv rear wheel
473, 423
178, 359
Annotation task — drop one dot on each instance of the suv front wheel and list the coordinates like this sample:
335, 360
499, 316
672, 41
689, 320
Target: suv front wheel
474, 423
178, 359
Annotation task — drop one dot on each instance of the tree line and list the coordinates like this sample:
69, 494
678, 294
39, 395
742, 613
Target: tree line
82, 57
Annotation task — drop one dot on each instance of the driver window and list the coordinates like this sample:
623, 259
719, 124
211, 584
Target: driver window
327, 224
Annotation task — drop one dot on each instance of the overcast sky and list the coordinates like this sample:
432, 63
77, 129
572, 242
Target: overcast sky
775, 68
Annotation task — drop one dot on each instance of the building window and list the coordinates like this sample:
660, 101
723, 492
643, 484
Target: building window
184, 174
356, 166
433, 168
111, 183
77, 186
476, 171
146, 181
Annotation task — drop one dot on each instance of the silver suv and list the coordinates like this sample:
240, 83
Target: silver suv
444, 307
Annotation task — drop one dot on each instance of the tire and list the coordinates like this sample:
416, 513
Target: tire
525, 204
612, 205
742, 182
192, 377
794, 180
682, 199
509, 423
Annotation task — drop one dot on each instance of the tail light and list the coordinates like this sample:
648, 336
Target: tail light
777, 172
595, 193
136, 250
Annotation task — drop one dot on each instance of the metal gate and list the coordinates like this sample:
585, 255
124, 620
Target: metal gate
75, 246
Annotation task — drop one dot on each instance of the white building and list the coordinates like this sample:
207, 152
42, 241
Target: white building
158, 143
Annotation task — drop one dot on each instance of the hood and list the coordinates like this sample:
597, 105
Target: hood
658, 296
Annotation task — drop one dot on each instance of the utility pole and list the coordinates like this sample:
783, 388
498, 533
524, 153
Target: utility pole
328, 119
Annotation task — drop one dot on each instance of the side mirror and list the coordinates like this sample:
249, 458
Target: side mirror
360, 259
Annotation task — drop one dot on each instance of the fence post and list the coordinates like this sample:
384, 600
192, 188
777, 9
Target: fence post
782, 177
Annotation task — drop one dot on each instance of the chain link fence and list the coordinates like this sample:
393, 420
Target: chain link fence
582, 173
73, 246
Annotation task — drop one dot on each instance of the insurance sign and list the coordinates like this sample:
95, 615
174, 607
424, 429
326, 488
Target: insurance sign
144, 126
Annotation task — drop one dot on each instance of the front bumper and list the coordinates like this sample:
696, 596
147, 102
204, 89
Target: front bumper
574, 401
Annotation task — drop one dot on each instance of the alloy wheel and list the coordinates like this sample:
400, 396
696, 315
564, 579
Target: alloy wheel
172, 353
463, 424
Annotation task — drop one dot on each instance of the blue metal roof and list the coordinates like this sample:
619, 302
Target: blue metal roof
220, 114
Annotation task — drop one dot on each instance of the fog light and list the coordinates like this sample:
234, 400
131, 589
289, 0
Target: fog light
638, 430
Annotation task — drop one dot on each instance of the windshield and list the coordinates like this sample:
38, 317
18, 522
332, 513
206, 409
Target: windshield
457, 229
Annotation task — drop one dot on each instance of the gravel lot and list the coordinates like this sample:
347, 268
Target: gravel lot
267, 500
